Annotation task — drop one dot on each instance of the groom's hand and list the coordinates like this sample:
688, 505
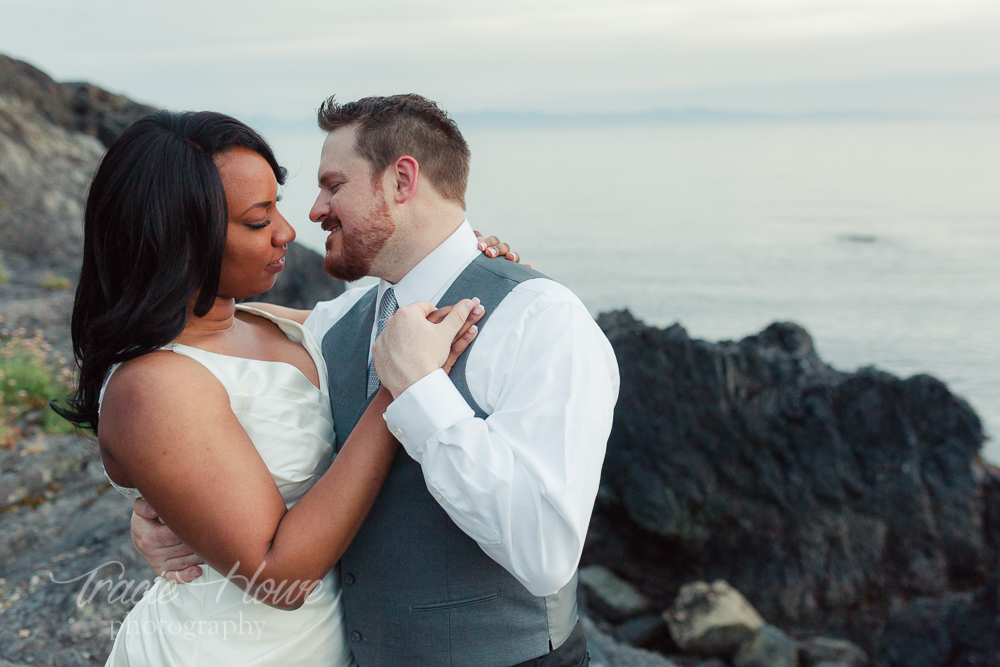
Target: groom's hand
412, 347
160, 548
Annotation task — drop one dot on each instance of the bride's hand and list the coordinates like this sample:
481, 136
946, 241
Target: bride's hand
412, 347
465, 336
493, 247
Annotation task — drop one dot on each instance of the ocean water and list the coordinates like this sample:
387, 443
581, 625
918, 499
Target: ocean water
881, 238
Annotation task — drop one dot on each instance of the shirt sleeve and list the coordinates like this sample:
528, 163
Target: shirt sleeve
523, 481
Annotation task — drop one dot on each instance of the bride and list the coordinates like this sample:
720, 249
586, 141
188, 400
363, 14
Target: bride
219, 414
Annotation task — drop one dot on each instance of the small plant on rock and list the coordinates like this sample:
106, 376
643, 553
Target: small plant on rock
6, 432
55, 283
29, 379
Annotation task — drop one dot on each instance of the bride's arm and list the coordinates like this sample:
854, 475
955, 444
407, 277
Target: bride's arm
168, 426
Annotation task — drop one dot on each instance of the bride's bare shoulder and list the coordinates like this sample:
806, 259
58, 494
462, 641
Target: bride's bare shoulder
155, 370
160, 382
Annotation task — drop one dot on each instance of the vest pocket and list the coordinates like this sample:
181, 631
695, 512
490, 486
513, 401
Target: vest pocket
451, 604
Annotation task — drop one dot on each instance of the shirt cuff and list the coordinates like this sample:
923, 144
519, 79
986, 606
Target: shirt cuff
427, 407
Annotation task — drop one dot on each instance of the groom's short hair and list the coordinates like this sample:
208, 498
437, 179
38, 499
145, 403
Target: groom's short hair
411, 124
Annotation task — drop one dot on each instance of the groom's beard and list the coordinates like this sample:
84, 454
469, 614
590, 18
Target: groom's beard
360, 247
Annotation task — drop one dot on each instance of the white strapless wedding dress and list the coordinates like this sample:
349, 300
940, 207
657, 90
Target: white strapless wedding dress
210, 621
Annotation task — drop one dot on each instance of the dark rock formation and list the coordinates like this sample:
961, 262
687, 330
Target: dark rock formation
606, 652
820, 651
770, 647
954, 630
821, 495
611, 597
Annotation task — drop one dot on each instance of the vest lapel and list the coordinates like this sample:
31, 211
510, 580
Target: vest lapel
346, 347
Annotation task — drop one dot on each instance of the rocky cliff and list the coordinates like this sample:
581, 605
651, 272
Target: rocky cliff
829, 499
52, 136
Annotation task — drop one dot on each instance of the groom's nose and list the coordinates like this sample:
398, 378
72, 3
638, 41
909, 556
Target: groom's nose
320, 208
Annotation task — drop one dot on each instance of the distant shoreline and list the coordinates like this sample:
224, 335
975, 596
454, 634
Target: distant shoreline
543, 119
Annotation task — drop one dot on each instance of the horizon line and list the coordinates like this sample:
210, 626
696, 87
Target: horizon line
510, 117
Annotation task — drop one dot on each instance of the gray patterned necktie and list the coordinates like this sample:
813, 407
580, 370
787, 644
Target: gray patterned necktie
385, 311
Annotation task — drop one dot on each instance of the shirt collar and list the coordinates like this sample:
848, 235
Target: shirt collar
428, 280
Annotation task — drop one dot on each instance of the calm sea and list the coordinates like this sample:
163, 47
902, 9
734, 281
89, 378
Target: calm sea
881, 238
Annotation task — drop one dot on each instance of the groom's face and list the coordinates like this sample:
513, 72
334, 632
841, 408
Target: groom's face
351, 209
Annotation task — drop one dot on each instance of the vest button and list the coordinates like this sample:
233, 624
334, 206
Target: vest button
349, 579
356, 636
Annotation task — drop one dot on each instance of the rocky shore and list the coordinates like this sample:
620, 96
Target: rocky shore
757, 507
850, 505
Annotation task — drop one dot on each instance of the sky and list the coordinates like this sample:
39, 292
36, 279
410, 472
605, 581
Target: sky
279, 60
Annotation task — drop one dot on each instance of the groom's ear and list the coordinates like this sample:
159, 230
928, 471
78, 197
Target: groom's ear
405, 172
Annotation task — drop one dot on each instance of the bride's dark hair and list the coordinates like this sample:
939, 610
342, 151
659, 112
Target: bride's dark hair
154, 234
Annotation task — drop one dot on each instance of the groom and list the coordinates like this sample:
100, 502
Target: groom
470, 553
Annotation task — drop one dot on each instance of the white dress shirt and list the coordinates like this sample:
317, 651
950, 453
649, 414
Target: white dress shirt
522, 482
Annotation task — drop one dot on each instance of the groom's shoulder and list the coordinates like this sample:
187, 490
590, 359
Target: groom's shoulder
541, 298
541, 288
528, 282
327, 313
505, 269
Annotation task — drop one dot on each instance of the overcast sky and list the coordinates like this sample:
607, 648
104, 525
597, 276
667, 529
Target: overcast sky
280, 59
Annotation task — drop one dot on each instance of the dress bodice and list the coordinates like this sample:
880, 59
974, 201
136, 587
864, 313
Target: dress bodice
211, 621
286, 416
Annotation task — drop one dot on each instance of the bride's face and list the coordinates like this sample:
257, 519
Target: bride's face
258, 235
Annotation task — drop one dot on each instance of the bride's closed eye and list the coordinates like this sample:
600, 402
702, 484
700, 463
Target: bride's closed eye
265, 223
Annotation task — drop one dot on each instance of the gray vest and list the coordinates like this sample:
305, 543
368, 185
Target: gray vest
416, 589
